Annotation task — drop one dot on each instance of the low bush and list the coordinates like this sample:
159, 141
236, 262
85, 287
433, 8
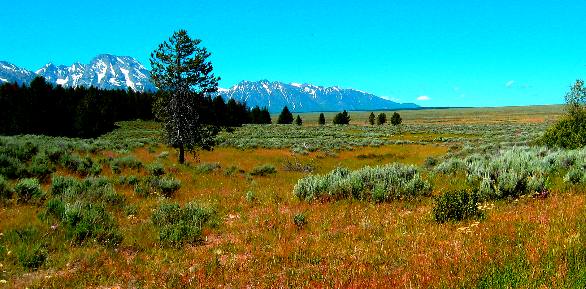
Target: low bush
28, 247
263, 170
300, 220
456, 206
379, 184
27, 190
166, 186
85, 222
5, 190
127, 162
205, 168
11, 167
575, 176
156, 169
178, 226
231, 170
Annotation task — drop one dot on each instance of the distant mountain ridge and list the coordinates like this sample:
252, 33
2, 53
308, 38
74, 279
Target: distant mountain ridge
107, 71
104, 71
307, 97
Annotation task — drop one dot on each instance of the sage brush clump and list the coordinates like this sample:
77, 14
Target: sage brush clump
456, 206
379, 184
178, 226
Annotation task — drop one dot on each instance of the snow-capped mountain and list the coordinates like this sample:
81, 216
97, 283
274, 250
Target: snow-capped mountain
12, 73
306, 97
105, 71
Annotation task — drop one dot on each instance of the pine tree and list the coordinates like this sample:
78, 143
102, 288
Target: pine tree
371, 118
396, 119
322, 119
182, 73
286, 117
381, 118
298, 120
342, 118
265, 116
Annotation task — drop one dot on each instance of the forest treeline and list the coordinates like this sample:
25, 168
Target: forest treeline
41, 108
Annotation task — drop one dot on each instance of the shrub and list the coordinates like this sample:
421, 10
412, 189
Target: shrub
575, 176
300, 220
430, 162
263, 170
41, 166
11, 167
231, 170
205, 168
27, 190
250, 196
29, 250
178, 226
85, 221
166, 186
5, 191
156, 169
61, 183
456, 206
125, 162
380, 184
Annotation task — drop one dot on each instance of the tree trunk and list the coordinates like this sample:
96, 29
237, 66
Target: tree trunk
181, 154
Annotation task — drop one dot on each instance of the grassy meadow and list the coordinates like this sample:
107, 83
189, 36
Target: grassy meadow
303, 207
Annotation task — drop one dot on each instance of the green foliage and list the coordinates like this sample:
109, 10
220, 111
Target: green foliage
263, 170
430, 162
165, 186
127, 162
28, 189
456, 206
570, 131
42, 108
322, 119
250, 196
575, 176
29, 249
371, 118
205, 168
181, 95
381, 118
156, 169
286, 117
342, 118
231, 170
178, 226
298, 120
5, 190
379, 184
396, 119
260, 116
300, 220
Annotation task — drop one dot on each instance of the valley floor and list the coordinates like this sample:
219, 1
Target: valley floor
528, 241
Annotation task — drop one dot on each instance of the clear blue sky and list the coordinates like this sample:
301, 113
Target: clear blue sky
453, 53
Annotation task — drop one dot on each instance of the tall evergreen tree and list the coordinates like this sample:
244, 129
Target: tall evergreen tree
371, 118
342, 118
381, 118
286, 117
298, 120
322, 119
265, 116
183, 74
396, 119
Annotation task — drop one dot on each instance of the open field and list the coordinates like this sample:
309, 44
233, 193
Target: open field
254, 231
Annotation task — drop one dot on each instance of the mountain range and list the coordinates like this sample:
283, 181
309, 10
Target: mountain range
107, 71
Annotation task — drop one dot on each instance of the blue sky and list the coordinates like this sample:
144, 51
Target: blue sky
434, 53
